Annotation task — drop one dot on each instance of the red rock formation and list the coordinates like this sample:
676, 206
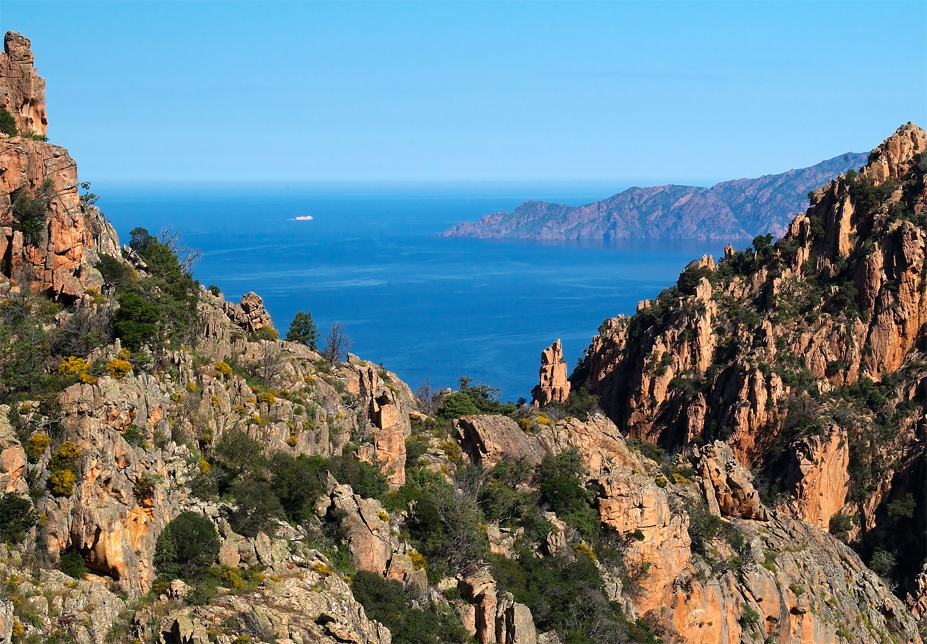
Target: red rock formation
747, 351
22, 91
250, 315
554, 386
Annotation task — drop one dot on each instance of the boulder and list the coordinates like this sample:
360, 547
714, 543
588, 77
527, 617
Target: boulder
489, 439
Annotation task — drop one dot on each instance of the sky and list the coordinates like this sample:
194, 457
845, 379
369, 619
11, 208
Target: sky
471, 92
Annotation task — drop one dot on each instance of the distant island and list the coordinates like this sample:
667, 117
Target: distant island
731, 210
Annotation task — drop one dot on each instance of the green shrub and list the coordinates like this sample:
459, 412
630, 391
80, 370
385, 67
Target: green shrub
257, 508
113, 271
72, 564
749, 618
581, 403
473, 399
30, 211
16, 518
559, 479
555, 588
840, 526
446, 526
297, 482
187, 547
388, 602
214, 290
8, 123
136, 321
902, 508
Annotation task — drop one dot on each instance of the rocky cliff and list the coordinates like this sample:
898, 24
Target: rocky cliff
730, 211
22, 91
806, 357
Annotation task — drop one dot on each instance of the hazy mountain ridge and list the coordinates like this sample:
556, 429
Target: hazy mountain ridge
731, 210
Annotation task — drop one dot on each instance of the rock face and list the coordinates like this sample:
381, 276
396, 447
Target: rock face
22, 91
773, 351
250, 315
62, 259
732, 210
61, 255
554, 386
728, 486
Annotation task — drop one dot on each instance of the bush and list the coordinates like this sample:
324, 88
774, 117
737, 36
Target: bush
559, 480
266, 333
297, 482
8, 123
114, 272
444, 524
840, 526
881, 562
214, 290
72, 564
62, 482
902, 508
187, 547
36, 446
581, 403
29, 212
66, 457
388, 602
16, 518
749, 618
136, 321
565, 594
303, 330
257, 508
118, 368
457, 404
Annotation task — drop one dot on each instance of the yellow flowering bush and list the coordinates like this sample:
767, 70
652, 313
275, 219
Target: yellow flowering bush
223, 369
62, 482
118, 368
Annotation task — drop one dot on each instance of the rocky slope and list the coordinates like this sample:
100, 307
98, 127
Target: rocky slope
806, 357
173, 472
730, 211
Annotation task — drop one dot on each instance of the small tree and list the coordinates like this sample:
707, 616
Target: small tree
337, 344
302, 330
187, 547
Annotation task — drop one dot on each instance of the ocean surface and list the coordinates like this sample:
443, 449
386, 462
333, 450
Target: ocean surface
372, 258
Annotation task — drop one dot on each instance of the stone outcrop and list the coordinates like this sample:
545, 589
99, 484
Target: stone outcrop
494, 618
250, 315
309, 604
728, 485
12, 458
489, 439
22, 91
554, 386
388, 406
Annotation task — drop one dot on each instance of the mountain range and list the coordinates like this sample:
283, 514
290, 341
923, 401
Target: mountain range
731, 210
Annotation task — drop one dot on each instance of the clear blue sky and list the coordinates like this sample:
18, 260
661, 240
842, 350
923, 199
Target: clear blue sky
212, 91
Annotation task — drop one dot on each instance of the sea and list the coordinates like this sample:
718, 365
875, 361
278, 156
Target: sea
372, 257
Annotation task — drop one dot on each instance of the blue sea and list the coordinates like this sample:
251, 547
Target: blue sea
372, 258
